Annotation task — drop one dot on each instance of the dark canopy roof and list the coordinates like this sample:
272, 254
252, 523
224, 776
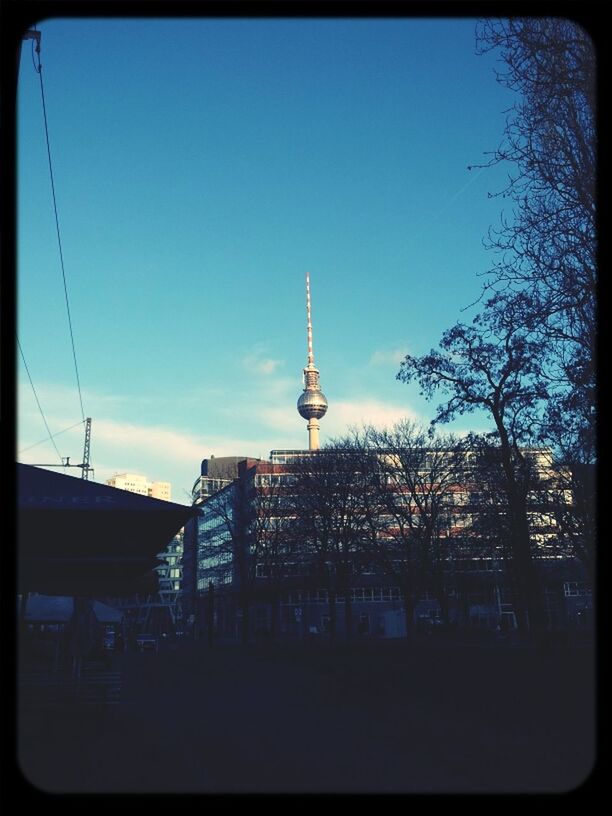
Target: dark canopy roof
77, 537
60, 609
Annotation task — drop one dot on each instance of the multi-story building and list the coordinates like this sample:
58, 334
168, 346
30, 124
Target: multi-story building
245, 553
160, 611
216, 474
169, 575
135, 483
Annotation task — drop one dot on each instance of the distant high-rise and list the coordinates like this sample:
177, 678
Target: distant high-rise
312, 404
135, 483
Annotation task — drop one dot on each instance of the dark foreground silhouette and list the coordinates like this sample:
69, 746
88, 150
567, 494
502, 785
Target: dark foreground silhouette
376, 718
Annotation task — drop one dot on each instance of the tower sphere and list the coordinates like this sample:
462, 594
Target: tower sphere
312, 404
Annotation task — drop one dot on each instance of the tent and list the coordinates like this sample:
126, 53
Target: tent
81, 538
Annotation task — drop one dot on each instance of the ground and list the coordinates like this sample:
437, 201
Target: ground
367, 718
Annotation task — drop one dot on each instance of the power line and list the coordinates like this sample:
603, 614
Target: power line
59, 240
23, 450
37, 400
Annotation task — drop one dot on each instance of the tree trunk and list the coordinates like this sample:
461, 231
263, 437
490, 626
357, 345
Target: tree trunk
440, 594
332, 615
245, 633
409, 614
348, 614
275, 614
529, 607
210, 620
444, 609
464, 603
530, 611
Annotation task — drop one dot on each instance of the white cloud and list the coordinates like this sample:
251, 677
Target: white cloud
268, 366
175, 445
366, 411
258, 362
283, 418
219, 424
384, 357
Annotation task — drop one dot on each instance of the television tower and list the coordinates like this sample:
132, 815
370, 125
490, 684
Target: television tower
312, 404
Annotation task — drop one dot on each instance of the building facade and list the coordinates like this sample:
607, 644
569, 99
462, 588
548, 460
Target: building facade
159, 612
253, 578
134, 483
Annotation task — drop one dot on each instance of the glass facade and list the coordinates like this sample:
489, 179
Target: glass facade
215, 538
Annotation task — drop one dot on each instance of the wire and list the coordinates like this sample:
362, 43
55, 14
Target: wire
59, 240
23, 450
38, 401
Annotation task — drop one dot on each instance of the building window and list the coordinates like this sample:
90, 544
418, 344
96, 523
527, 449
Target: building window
575, 589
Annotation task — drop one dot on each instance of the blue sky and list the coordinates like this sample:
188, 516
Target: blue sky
201, 167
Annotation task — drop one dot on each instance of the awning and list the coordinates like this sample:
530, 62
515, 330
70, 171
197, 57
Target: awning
81, 538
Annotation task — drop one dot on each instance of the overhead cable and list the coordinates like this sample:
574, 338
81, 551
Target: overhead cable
59, 240
23, 450
38, 401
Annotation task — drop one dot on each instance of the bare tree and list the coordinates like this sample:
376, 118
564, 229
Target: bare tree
331, 519
547, 250
272, 543
565, 498
529, 358
494, 365
415, 510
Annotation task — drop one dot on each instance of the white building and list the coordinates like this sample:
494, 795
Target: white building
160, 612
170, 574
134, 483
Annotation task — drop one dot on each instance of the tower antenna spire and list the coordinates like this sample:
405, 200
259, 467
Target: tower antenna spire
312, 404
309, 322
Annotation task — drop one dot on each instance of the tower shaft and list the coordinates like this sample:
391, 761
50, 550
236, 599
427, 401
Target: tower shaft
312, 404
313, 434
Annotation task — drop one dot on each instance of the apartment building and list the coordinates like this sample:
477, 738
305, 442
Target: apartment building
135, 483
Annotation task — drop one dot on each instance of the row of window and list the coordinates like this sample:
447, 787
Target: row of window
357, 594
218, 579
275, 479
213, 526
574, 589
214, 561
308, 569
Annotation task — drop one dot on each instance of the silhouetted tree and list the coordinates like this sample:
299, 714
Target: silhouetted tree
547, 249
270, 530
415, 510
493, 365
331, 518
566, 499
